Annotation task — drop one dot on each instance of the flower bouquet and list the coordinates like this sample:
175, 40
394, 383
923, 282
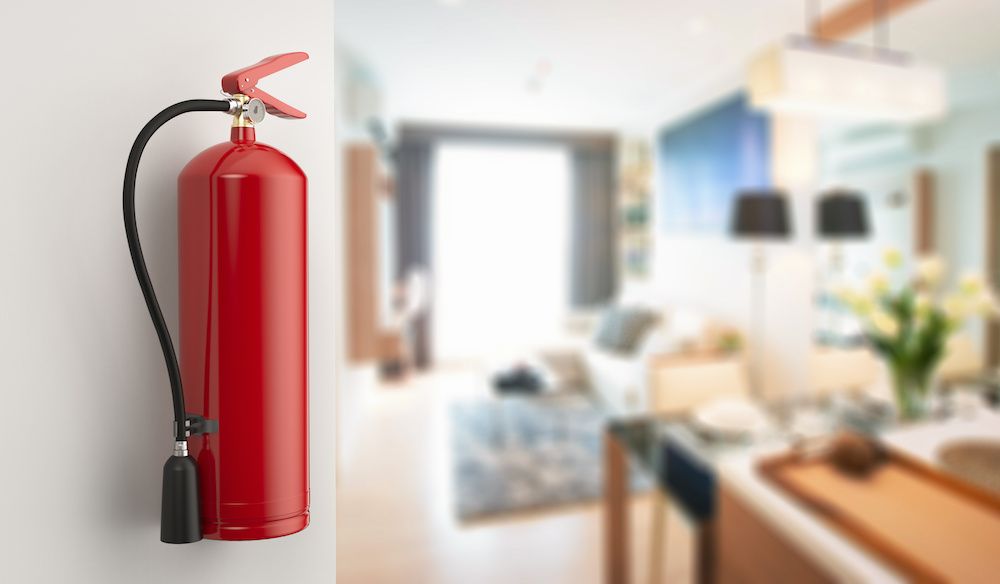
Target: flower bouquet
909, 325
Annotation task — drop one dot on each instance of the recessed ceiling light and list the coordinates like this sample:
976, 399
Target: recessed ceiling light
451, 3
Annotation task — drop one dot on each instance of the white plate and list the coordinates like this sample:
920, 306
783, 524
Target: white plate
732, 417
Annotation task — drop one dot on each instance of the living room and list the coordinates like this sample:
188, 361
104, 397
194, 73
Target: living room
606, 264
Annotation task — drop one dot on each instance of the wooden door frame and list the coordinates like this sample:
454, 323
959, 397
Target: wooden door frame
992, 251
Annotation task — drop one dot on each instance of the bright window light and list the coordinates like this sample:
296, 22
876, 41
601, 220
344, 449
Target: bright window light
501, 248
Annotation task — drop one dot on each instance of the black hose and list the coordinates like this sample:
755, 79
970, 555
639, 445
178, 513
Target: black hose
139, 263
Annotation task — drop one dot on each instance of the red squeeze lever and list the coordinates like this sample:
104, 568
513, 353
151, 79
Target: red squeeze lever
245, 81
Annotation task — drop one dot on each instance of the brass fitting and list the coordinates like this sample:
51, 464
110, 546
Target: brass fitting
240, 118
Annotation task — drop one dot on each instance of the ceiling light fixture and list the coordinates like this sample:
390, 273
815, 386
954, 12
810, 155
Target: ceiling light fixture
812, 76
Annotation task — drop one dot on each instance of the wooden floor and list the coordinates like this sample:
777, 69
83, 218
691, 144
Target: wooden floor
395, 521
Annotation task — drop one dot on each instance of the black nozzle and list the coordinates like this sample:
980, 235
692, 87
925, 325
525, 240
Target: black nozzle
180, 519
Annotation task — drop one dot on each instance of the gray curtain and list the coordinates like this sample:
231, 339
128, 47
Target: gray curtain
593, 266
414, 181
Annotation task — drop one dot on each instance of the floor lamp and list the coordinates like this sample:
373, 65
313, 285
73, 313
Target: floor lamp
759, 216
841, 215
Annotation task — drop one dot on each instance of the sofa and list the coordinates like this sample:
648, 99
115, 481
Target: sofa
679, 363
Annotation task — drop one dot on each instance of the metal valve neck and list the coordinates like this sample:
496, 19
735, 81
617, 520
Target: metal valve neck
246, 111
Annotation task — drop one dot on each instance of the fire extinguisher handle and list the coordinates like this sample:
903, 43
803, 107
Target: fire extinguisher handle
244, 81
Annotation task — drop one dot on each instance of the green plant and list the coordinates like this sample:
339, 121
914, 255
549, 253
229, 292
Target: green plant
730, 342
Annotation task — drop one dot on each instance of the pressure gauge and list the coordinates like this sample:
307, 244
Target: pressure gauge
255, 110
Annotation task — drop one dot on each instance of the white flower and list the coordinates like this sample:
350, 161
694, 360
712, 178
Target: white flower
987, 305
956, 308
892, 257
863, 305
930, 270
884, 323
856, 301
971, 284
878, 283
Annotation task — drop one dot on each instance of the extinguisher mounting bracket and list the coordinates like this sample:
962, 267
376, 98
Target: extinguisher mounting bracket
244, 81
196, 425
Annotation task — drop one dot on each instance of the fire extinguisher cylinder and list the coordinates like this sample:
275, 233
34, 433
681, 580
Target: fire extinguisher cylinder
243, 315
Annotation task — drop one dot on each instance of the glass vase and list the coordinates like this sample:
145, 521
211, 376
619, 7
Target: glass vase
911, 387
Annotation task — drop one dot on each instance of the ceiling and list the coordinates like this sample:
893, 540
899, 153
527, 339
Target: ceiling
623, 64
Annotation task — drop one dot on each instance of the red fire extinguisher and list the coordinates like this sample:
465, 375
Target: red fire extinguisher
239, 469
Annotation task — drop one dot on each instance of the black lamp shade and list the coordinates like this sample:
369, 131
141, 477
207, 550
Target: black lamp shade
842, 215
761, 214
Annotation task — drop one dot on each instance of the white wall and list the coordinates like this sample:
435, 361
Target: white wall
955, 150
712, 274
87, 412
957, 155
358, 97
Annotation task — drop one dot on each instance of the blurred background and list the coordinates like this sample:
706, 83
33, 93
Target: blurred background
566, 219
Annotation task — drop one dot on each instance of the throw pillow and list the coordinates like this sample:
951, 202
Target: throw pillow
607, 330
634, 325
622, 328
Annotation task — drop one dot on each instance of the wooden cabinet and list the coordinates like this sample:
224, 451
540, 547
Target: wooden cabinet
748, 551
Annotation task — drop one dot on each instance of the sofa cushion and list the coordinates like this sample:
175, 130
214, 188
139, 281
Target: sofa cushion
622, 329
617, 380
635, 324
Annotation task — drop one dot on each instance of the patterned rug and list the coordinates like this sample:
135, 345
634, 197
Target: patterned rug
517, 453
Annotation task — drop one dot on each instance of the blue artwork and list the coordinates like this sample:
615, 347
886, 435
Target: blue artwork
706, 159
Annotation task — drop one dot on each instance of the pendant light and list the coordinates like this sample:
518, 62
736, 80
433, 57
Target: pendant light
818, 77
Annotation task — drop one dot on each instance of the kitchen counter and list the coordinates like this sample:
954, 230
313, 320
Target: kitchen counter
834, 554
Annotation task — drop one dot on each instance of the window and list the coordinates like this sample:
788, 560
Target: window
501, 245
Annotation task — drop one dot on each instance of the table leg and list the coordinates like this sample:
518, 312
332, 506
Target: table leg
657, 547
706, 552
616, 530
